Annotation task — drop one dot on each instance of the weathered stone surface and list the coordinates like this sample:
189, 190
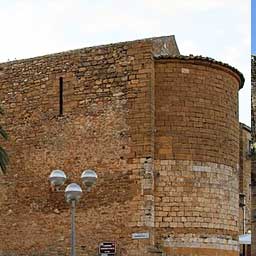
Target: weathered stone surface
156, 134
245, 177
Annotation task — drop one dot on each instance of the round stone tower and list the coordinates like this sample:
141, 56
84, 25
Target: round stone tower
196, 156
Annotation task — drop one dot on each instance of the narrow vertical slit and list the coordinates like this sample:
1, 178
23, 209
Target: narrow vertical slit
61, 96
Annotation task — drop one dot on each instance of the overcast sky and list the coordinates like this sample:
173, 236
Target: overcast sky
215, 28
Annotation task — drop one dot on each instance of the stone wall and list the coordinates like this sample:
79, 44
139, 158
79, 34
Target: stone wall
197, 184
106, 125
245, 176
156, 129
196, 111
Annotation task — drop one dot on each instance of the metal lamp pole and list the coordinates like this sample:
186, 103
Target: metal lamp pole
73, 193
73, 228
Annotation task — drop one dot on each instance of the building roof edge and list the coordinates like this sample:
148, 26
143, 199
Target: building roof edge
208, 59
65, 52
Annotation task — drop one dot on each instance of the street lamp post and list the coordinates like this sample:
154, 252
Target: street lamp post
73, 193
73, 228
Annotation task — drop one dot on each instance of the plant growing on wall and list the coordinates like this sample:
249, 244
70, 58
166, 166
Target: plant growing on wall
3, 155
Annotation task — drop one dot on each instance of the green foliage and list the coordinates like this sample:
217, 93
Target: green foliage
3, 155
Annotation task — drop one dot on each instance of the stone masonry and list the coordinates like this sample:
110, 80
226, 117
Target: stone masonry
245, 184
245, 176
160, 129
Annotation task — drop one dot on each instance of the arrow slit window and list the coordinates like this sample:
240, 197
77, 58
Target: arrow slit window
61, 96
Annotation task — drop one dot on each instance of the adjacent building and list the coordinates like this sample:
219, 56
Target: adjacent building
253, 183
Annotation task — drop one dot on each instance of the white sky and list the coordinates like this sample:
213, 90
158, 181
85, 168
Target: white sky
215, 28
